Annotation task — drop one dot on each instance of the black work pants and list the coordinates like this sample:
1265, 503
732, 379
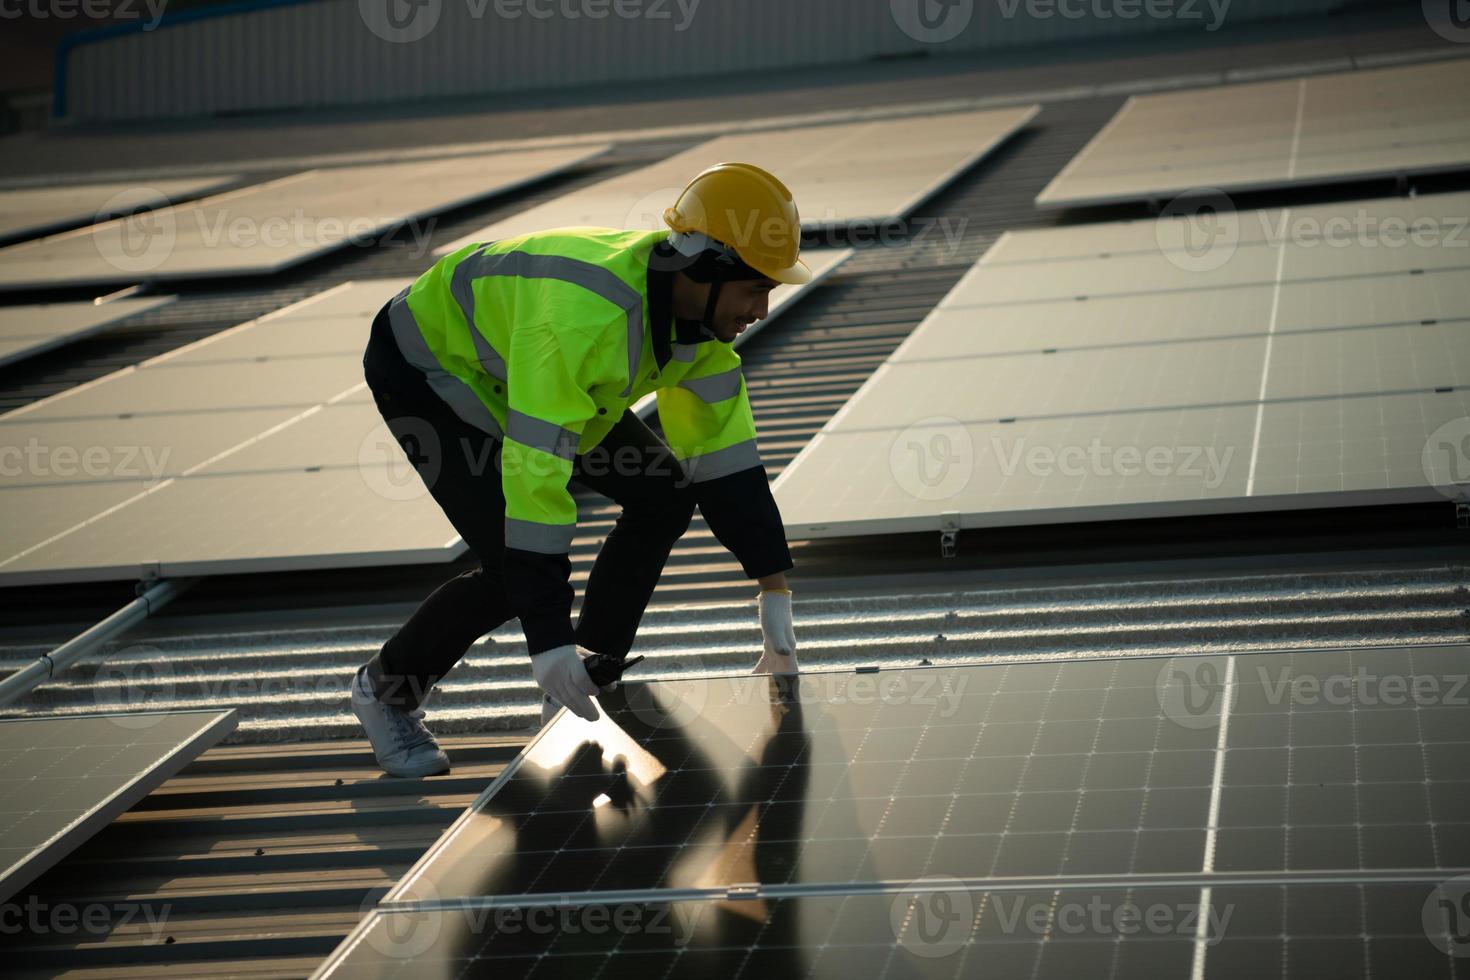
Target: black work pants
460, 466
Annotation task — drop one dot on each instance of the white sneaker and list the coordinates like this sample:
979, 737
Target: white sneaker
401, 743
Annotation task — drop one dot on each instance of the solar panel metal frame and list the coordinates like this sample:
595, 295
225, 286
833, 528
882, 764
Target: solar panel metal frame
1052, 199
176, 191
215, 726
39, 343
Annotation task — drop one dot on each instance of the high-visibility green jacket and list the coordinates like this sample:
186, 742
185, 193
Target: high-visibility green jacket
544, 340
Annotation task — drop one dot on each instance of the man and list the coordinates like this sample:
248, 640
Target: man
506, 371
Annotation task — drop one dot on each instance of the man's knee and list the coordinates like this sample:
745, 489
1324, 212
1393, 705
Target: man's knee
667, 516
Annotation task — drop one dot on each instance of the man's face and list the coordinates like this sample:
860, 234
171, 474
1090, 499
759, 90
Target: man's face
742, 302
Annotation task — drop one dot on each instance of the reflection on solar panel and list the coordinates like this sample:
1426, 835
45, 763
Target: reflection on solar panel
1134, 370
269, 423
1324, 128
268, 227
1204, 816
63, 779
840, 175
37, 210
29, 330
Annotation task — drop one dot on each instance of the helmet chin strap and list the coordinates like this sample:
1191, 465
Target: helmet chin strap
706, 324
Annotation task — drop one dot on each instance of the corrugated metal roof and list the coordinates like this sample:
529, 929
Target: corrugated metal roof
265, 852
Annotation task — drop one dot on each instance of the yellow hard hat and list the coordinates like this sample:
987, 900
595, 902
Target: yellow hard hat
742, 207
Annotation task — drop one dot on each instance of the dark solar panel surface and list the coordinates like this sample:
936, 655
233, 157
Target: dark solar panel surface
1320, 796
62, 779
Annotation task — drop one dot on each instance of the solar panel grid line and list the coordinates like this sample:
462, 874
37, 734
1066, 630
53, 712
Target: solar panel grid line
1212, 821
1250, 480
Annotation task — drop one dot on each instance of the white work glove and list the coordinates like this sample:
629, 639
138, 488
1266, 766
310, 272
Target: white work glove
560, 673
779, 633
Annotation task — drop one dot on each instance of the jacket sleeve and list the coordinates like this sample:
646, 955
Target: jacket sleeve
708, 423
547, 409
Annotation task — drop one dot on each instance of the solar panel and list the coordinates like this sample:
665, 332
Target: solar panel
901, 163
1273, 786
931, 930
270, 420
30, 211
64, 778
1323, 128
1118, 380
275, 225
26, 331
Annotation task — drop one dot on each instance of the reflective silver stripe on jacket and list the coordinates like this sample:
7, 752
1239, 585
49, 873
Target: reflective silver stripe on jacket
460, 397
545, 539
540, 434
722, 462
594, 278
715, 387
